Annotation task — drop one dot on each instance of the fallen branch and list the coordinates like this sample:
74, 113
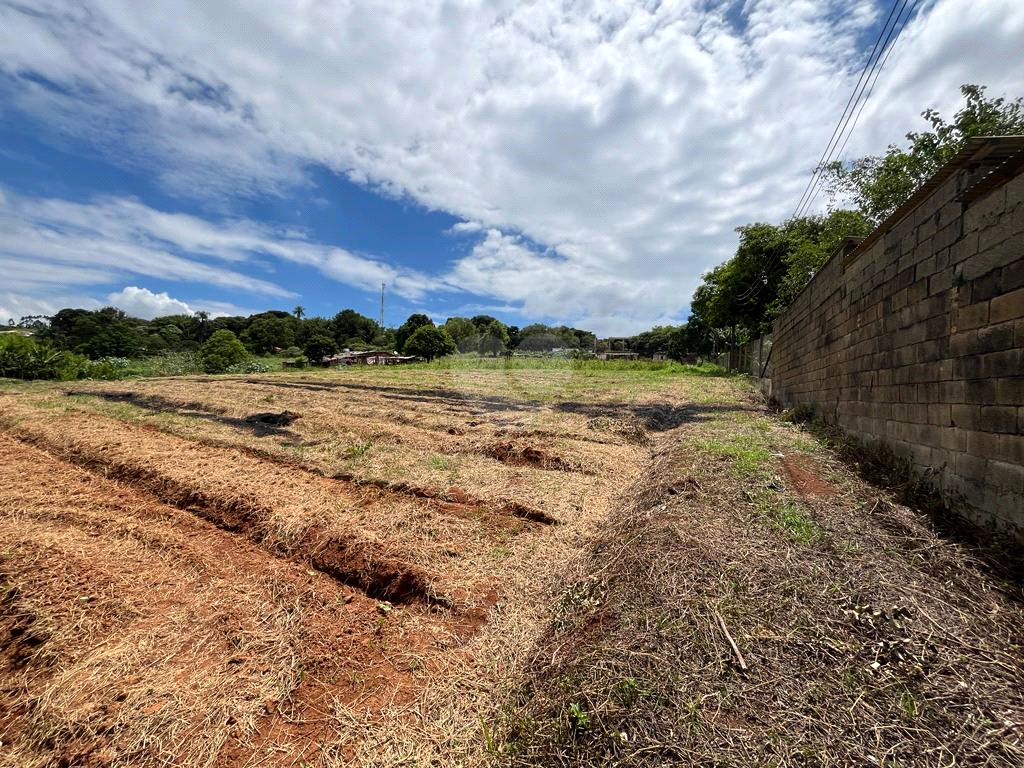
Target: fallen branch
735, 648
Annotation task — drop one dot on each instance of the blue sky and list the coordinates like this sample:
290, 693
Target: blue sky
575, 162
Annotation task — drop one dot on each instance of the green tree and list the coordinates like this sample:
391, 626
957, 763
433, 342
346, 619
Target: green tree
878, 184
539, 341
221, 351
312, 326
652, 342
353, 329
811, 241
493, 339
267, 333
463, 333
481, 322
299, 311
737, 294
429, 342
409, 327
318, 347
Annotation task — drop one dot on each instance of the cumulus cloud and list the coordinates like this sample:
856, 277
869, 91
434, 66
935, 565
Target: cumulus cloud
142, 302
603, 151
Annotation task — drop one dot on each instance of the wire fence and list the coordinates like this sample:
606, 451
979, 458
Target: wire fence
752, 358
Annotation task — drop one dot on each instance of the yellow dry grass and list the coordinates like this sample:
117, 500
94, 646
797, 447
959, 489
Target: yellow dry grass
412, 683
143, 636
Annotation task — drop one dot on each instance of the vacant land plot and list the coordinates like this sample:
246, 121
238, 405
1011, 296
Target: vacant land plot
431, 566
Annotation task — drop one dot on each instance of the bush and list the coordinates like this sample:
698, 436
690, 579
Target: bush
105, 368
221, 351
185, 363
22, 357
249, 366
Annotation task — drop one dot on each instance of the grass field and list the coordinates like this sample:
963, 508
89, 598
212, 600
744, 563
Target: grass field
482, 563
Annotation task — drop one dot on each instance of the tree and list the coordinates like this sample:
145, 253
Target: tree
221, 351
106, 332
877, 185
429, 342
318, 347
459, 327
267, 333
493, 339
299, 311
540, 341
353, 329
652, 342
480, 322
409, 327
812, 241
313, 326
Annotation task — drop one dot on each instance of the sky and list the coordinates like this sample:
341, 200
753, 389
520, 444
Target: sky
560, 161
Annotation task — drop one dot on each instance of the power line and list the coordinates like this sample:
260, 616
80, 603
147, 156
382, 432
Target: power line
876, 70
855, 104
847, 110
871, 87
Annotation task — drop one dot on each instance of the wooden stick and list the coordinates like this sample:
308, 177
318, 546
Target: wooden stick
735, 648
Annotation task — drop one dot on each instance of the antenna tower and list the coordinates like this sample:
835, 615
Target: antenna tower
382, 306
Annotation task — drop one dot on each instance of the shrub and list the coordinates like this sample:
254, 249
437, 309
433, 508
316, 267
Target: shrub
184, 363
22, 357
105, 368
249, 366
221, 351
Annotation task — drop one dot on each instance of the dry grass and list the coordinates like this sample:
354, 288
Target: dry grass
140, 635
693, 531
401, 471
759, 605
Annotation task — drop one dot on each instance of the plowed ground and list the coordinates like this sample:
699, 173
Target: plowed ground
327, 569
420, 566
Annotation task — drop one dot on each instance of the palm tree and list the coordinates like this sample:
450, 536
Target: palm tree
299, 311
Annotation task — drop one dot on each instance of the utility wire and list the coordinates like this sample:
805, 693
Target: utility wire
871, 87
851, 105
876, 70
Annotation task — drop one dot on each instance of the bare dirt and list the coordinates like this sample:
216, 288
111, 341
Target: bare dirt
804, 475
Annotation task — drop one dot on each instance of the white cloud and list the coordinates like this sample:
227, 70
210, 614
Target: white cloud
14, 306
142, 302
47, 245
628, 139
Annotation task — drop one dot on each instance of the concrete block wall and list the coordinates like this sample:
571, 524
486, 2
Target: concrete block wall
917, 341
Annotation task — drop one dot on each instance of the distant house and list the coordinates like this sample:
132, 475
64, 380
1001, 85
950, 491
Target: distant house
368, 357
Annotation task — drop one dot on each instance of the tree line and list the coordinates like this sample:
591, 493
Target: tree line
78, 342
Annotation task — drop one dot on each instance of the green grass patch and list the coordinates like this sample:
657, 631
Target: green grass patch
749, 455
795, 524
